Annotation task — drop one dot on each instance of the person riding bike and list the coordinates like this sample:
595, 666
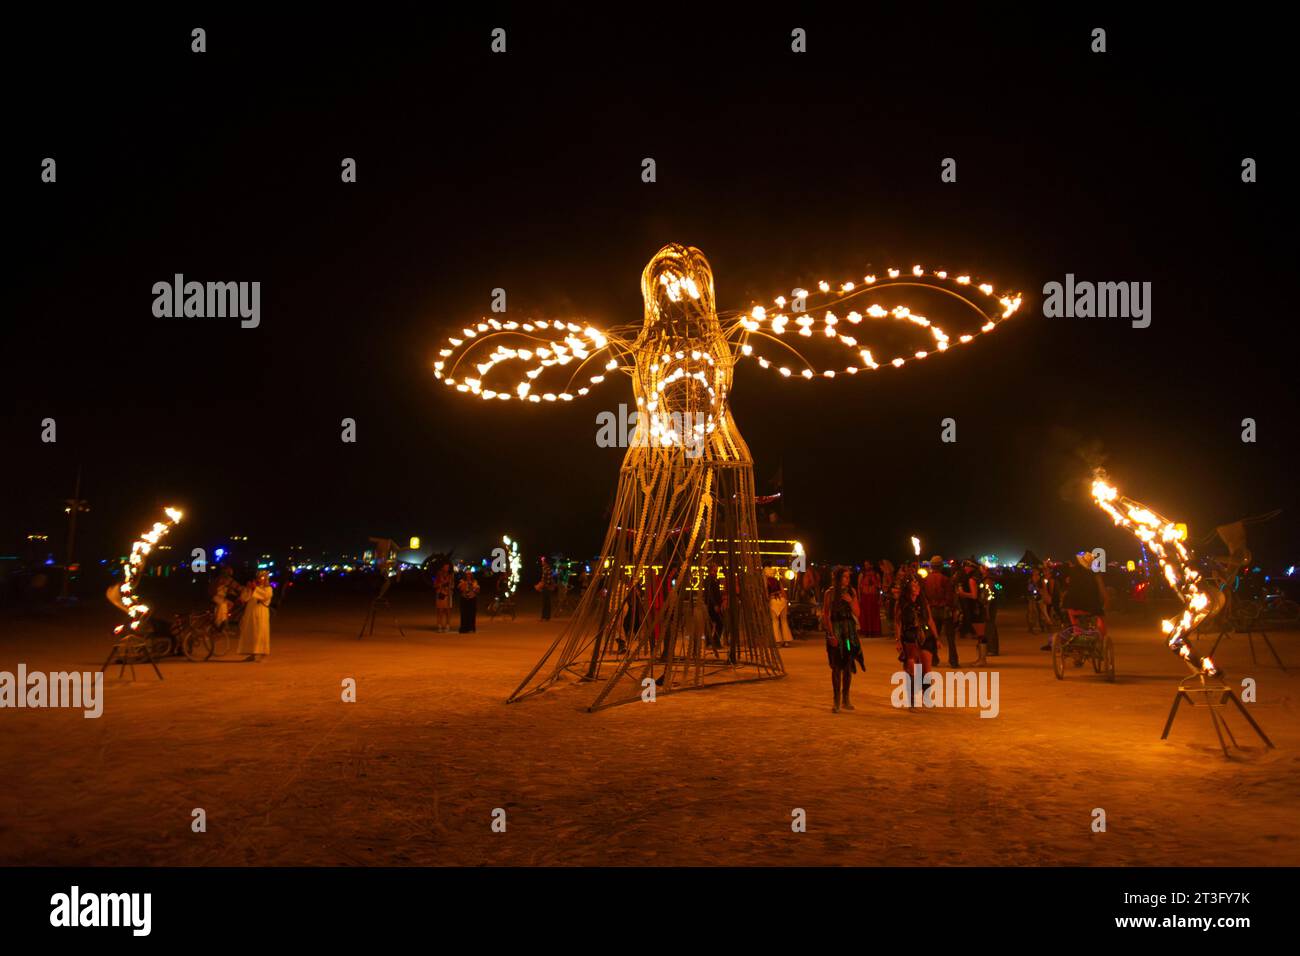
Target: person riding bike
1086, 594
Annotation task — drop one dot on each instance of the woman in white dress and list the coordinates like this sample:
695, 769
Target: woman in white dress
779, 604
255, 627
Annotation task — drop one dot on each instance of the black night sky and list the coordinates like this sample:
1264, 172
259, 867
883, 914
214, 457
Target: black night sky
523, 171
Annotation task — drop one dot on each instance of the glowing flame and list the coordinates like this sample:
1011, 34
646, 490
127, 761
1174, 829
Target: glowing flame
558, 361
133, 568
1008, 304
1164, 539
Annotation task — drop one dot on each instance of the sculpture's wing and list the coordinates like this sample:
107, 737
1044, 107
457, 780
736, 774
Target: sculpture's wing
540, 360
829, 331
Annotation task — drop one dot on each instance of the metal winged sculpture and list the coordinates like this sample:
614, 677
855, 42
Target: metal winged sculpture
685, 495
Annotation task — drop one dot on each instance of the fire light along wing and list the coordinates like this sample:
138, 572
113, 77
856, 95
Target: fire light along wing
554, 360
841, 318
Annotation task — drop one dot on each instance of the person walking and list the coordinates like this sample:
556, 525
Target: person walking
915, 634
843, 651
255, 625
941, 598
468, 589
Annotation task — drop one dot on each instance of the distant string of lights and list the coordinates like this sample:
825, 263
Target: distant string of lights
133, 568
1164, 539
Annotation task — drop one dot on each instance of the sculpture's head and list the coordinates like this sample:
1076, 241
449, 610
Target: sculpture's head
677, 286
684, 363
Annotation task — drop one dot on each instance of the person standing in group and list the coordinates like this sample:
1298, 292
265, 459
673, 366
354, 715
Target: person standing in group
990, 591
915, 633
972, 609
869, 600
1052, 592
713, 606
779, 605
224, 587
887, 588
695, 616
1060, 580
633, 610
468, 590
843, 651
807, 585
255, 625
443, 582
659, 593
941, 600
546, 586
1038, 616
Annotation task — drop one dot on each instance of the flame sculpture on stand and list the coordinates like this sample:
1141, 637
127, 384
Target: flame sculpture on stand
1164, 539
133, 568
1205, 686
686, 486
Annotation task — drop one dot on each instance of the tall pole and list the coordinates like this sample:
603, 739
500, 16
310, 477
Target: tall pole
75, 505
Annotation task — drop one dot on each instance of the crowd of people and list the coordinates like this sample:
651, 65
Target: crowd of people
467, 585
929, 607
918, 603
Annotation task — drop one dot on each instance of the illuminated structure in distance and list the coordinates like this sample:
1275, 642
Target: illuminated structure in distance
514, 565
686, 486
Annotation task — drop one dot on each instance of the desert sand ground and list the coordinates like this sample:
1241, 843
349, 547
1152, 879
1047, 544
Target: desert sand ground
411, 772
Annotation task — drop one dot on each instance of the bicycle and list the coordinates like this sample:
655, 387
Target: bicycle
501, 607
200, 638
1083, 644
